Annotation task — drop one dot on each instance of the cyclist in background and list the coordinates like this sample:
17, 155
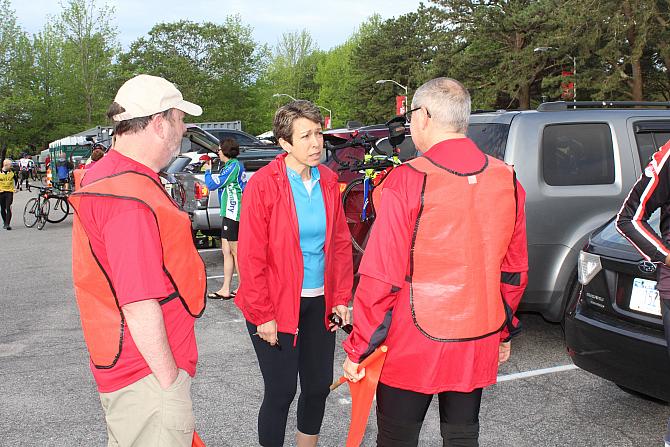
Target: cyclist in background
230, 183
26, 164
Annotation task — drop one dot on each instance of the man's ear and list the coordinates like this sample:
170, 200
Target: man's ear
285, 145
158, 125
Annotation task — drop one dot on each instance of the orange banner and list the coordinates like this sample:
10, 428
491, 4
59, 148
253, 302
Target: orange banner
362, 393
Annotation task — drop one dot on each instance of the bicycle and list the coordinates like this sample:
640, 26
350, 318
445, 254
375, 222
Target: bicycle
357, 197
48, 206
37, 209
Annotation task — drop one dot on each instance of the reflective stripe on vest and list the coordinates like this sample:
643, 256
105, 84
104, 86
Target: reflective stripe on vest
455, 258
101, 316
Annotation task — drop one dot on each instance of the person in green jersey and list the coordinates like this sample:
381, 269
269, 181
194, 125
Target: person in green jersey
229, 183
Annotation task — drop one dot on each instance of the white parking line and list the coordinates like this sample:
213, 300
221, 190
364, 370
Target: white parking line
536, 372
219, 276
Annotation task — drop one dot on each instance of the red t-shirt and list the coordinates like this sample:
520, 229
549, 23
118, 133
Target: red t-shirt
415, 362
124, 237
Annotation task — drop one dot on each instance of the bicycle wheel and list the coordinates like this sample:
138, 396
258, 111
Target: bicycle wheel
43, 214
59, 209
30, 213
352, 201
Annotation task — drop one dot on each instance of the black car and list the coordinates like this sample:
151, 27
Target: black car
613, 324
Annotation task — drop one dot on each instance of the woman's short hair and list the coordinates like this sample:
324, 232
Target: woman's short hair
448, 102
97, 154
230, 147
282, 126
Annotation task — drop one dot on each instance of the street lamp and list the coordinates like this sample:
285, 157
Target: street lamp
574, 68
382, 81
330, 116
277, 95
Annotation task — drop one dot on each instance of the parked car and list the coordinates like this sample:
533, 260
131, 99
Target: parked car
243, 138
189, 189
577, 162
613, 324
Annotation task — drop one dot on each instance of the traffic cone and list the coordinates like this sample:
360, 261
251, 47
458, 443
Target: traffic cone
362, 393
48, 176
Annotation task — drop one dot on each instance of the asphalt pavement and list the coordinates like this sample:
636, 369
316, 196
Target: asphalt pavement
48, 397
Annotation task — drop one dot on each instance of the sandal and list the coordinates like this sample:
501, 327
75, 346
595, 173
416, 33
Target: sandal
217, 296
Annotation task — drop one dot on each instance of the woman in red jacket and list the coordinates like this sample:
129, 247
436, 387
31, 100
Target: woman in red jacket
295, 270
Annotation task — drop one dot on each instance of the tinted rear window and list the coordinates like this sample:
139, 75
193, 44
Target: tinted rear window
577, 154
490, 138
650, 136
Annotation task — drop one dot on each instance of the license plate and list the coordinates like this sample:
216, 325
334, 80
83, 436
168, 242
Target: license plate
644, 297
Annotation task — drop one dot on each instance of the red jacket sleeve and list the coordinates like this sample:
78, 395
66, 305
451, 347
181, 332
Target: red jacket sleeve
253, 295
373, 306
342, 265
514, 269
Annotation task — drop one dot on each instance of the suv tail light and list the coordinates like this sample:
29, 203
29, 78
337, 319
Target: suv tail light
201, 191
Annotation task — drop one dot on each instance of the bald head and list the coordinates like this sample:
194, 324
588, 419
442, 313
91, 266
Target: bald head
447, 101
7, 164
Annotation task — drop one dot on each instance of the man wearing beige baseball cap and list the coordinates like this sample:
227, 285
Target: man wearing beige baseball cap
138, 278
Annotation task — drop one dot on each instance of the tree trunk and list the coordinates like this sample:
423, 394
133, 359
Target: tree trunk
524, 96
637, 85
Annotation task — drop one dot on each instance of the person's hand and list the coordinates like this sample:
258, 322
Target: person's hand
208, 165
504, 350
344, 313
268, 332
351, 371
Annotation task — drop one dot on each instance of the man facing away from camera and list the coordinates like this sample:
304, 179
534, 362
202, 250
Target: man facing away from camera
443, 272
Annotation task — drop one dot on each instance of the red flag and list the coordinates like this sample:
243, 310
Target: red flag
362, 393
197, 442
326, 122
400, 105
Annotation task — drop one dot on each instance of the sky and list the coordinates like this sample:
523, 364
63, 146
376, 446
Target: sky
329, 23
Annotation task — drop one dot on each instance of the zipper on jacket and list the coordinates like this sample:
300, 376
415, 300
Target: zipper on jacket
295, 337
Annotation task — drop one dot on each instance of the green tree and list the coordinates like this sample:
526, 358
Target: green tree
495, 41
401, 49
16, 99
215, 65
90, 46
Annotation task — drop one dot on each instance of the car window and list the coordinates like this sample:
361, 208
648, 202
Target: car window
490, 138
650, 136
242, 139
577, 154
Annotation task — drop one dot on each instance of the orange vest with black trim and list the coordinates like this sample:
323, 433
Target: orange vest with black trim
461, 236
101, 317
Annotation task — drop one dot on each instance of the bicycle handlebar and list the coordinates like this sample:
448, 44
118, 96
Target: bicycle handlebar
364, 140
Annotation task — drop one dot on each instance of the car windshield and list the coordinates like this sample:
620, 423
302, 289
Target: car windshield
610, 236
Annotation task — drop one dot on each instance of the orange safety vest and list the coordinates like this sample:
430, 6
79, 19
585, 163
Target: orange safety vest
102, 319
455, 258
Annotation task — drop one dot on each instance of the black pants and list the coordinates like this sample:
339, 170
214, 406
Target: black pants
400, 414
6, 199
311, 359
25, 175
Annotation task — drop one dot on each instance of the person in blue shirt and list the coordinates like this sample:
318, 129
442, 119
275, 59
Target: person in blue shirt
229, 183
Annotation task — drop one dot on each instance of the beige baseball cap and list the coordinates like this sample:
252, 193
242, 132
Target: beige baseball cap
146, 95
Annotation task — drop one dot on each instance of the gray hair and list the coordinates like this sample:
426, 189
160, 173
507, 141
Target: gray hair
447, 101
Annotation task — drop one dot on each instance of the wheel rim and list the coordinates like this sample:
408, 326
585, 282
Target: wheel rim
29, 213
59, 210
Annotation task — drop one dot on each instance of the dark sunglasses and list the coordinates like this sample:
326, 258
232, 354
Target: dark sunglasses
335, 320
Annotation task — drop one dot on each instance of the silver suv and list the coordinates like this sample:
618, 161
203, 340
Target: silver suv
577, 162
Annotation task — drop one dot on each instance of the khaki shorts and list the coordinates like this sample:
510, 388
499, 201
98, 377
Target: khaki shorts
143, 414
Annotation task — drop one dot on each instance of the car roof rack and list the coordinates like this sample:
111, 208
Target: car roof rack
557, 106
